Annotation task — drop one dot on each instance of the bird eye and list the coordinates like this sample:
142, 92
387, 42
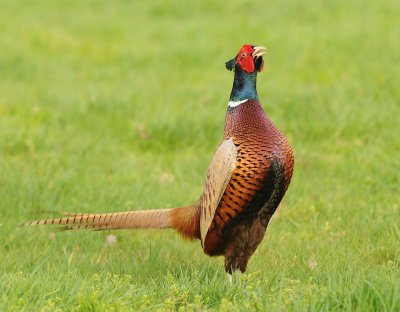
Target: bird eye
243, 54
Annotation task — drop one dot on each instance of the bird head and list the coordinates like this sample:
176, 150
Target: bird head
249, 58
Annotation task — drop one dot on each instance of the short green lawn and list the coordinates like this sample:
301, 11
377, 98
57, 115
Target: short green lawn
116, 105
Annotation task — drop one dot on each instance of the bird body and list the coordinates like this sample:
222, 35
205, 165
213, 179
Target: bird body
261, 175
246, 180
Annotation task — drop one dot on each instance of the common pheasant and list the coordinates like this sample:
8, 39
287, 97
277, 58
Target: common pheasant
246, 180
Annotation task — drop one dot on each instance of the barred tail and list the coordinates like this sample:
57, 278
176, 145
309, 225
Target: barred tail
183, 219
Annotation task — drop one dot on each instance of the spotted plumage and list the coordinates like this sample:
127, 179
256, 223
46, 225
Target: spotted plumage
246, 180
262, 173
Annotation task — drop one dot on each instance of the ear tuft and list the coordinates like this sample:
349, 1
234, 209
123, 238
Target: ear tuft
230, 65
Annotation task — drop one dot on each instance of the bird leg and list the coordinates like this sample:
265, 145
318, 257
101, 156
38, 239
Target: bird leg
235, 275
229, 277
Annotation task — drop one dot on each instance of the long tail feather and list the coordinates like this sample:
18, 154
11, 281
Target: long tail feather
184, 219
146, 219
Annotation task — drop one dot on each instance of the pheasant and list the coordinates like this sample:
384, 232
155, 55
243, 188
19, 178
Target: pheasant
246, 180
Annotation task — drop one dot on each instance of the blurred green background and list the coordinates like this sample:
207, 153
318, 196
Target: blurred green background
119, 105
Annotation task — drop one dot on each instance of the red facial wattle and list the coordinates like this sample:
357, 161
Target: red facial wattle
245, 59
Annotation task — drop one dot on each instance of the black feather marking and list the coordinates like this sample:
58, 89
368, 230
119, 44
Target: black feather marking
277, 188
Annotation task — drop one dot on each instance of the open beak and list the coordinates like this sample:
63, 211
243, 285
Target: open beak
258, 51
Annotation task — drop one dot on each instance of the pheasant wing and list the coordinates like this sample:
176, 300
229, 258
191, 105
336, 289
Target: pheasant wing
218, 176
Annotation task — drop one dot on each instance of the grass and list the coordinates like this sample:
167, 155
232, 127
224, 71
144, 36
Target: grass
108, 106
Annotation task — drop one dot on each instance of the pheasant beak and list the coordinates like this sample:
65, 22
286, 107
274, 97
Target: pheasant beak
258, 51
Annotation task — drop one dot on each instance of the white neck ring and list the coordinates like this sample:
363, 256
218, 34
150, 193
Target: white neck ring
236, 103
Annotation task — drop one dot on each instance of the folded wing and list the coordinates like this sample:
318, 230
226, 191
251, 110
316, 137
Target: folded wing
218, 176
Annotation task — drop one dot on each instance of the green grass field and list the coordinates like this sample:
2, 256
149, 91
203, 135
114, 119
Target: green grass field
112, 105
